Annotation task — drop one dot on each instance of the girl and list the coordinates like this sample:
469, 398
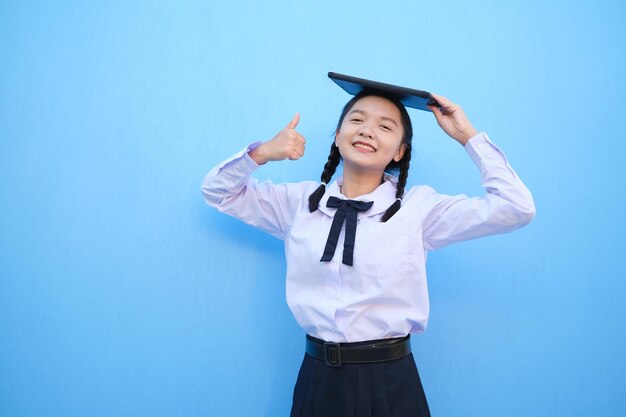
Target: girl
355, 248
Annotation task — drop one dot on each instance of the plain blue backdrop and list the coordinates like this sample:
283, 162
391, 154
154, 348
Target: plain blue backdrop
123, 294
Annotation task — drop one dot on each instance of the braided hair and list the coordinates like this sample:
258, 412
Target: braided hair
401, 167
329, 170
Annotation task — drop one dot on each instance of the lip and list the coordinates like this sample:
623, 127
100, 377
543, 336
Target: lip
365, 149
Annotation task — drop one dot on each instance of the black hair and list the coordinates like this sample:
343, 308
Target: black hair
400, 167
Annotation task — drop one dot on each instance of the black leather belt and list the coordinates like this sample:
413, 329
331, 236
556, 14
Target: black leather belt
371, 351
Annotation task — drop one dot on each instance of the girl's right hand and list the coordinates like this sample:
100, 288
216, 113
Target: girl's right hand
287, 144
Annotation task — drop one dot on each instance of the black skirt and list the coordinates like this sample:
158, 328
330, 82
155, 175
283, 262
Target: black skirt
384, 389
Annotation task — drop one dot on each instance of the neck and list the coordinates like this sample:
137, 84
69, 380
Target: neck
357, 184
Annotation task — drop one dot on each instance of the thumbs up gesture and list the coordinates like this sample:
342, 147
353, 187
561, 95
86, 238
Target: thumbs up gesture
287, 144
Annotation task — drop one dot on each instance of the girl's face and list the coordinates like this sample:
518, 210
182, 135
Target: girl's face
370, 136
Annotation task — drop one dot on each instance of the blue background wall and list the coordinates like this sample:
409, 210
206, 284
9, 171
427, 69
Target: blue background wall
121, 292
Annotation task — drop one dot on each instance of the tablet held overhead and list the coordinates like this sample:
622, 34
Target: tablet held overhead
416, 99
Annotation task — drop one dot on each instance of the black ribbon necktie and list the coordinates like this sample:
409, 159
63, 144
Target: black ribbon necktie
346, 210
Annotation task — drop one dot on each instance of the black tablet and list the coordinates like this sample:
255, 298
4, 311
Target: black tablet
416, 99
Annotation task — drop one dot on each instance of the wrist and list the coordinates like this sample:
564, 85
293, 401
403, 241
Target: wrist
466, 135
258, 155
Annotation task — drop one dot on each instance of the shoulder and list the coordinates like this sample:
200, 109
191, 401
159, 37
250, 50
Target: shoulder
298, 192
421, 198
303, 187
420, 192
292, 187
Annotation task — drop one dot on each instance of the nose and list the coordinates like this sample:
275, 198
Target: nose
365, 131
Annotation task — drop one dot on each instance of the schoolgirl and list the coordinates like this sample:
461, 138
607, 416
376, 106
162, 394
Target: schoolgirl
355, 247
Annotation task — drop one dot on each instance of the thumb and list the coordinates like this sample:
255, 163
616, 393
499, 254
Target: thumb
437, 112
294, 122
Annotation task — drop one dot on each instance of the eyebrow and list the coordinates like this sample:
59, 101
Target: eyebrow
382, 117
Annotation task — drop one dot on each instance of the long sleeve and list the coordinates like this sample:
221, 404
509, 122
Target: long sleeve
230, 188
506, 206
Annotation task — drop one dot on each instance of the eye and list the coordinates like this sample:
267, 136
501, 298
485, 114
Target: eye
386, 128
356, 120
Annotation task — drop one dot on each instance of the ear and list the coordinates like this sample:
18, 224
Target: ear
400, 153
336, 133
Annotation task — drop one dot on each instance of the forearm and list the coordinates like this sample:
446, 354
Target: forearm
498, 177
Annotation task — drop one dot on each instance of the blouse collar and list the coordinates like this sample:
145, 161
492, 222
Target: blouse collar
383, 196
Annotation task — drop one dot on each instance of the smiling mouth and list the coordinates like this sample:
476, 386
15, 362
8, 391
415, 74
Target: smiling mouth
364, 147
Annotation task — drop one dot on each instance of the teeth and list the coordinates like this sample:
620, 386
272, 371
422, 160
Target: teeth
363, 146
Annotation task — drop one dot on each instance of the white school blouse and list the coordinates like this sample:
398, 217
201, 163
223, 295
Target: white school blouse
385, 293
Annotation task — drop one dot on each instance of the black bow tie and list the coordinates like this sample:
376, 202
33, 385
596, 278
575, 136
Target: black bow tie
346, 210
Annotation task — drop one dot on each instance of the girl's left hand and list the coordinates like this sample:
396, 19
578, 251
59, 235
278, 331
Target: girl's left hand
452, 120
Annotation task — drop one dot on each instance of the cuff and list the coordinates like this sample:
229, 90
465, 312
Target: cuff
242, 160
485, 154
